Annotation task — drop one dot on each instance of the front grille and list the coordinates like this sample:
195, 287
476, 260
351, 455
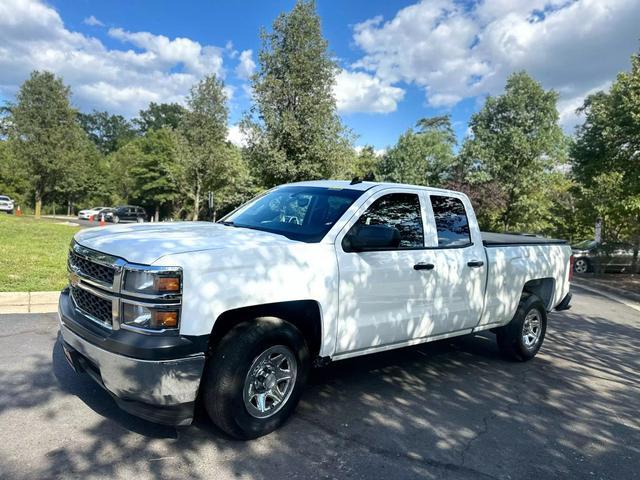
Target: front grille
93, 305
97, 271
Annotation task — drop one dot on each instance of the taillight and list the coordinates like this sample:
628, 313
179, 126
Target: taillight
571, 261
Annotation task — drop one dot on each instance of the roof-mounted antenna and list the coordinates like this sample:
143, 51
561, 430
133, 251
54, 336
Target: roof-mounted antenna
355, 181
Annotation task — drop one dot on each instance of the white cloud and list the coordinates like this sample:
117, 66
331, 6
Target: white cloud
362, 92
235, 136
93, 21
149, 68
247, 66
455, 51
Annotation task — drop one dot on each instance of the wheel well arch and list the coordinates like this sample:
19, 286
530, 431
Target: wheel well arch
306, 315
543, 288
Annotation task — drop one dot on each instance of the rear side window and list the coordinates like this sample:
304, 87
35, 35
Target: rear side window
451, 221
399, 210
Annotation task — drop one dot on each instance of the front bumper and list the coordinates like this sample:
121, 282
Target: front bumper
162, 391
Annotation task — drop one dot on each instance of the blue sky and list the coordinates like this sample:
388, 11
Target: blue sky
400, 60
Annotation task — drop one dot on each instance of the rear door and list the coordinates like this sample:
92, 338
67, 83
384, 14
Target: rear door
459, 260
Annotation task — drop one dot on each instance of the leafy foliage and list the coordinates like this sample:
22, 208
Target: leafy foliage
606, 156
43, 132
516, 146
422, 156
108, 132
295, 132
160, 115
205, 161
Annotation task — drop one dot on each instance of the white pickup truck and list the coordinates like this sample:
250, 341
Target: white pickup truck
233, 314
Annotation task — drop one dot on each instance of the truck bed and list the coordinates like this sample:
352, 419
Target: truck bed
490, 239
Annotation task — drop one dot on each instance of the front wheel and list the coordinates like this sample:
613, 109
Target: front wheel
581, 265
521, 338
254, 378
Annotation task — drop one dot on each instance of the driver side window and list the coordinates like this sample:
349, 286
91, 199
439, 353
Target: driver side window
400, 211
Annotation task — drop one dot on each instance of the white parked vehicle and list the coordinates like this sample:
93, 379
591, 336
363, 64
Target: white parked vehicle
6, 204
90, 212
235, 313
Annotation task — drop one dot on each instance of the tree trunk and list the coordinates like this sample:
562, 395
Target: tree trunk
38, 205
157, 215
196, 201
635, 266
68, 208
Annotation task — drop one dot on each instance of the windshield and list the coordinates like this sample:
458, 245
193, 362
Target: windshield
585, 245
2, 197
299, 213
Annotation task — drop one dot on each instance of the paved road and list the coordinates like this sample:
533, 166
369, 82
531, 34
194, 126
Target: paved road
451, 410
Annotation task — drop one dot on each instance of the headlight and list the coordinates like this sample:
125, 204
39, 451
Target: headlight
152, 285
139, 316
152, 282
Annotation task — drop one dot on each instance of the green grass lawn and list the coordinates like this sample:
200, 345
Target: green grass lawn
33, 254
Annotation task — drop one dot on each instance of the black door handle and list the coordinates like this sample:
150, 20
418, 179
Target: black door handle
475, 263
423, 266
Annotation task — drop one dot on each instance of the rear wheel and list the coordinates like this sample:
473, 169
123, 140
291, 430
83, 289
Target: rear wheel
521, 338
140, 220
116, 219
254, 378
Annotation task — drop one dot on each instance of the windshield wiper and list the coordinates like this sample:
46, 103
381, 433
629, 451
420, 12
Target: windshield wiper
228, 223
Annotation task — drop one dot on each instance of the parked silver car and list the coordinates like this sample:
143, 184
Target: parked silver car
590, 256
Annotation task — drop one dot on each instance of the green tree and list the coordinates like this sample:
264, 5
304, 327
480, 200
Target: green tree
159, 115
152, 159
294, 132
516, 146
606, 157
79, 174
205, 161
43, 132
109, 132
422, 156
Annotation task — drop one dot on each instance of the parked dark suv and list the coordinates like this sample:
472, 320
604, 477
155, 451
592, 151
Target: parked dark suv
127, 213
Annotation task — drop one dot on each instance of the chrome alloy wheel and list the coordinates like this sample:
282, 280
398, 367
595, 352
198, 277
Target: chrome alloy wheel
581, 266
531, 329
270, 381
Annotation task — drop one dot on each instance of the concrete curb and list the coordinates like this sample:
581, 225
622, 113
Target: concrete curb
606, 286
29, 302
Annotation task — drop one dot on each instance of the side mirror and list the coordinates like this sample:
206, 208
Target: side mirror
371, 237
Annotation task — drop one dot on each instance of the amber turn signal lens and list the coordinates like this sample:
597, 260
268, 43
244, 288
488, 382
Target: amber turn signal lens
165, 319
167, 284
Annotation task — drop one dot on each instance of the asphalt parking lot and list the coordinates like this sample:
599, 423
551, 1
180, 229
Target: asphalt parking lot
451, 409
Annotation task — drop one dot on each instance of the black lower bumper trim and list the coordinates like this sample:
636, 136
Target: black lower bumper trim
176, 415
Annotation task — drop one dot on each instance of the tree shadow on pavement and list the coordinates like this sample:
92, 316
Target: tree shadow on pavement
450, 409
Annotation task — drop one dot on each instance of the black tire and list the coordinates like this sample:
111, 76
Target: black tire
581, 265
229, 365
510, 337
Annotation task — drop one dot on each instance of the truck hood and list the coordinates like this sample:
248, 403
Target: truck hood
146, 243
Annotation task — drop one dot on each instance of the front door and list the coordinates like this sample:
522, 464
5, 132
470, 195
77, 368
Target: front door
385, 295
